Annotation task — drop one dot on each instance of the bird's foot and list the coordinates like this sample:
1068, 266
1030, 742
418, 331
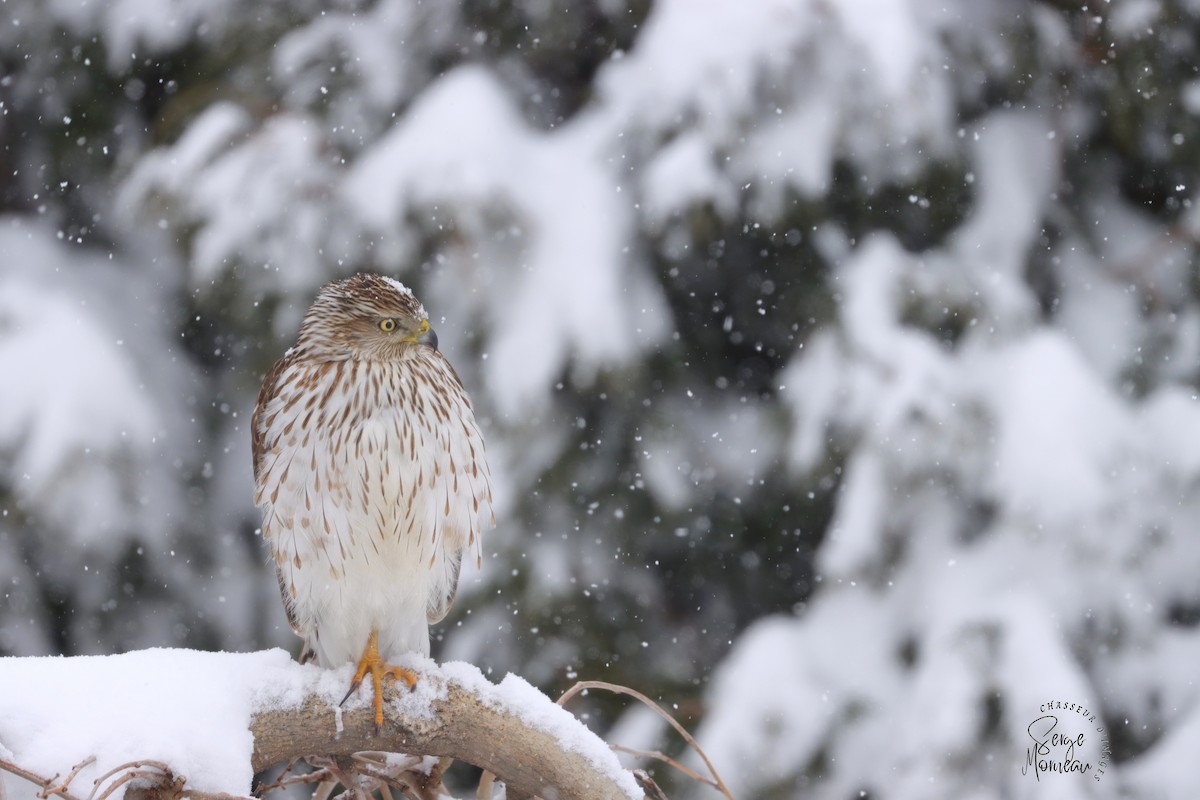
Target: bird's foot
371, 664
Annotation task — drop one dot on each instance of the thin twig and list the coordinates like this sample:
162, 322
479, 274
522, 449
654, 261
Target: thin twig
33, 778
286, 779
433, 780
46, 792
130, 766
652, 789
405, 774
612, 687
384, 775
324, 772
342, 769
486, 781
666, 759
324, 789
373, 767
121, 781
160, 777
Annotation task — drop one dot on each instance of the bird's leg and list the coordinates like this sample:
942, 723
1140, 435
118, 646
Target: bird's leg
378, 669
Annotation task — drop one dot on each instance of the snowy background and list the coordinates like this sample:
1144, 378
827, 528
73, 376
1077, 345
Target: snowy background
837, 360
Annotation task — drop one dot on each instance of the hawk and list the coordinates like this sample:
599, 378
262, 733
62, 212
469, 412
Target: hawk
371, 477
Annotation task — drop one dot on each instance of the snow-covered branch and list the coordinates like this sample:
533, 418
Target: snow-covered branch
206, 722
532, 753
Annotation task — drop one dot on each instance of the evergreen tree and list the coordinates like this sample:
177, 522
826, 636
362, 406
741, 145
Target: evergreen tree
846, 348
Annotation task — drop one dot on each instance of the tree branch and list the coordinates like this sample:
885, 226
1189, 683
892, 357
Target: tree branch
462, 725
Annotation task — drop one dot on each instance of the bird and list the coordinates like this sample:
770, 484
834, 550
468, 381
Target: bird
372, 479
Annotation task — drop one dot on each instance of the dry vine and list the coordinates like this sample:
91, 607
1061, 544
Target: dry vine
149, 780
715, 781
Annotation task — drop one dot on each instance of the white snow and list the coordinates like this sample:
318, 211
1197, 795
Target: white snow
1060, 435
775, 699
300, 55
75, 396
243, 192
706, 70
793, 150
564, 288
1159, 773
860, 521
188, 709
1171, 424
890, 35
682, 175
1017, 172
698, 62
135, 27
89, 404
398, 286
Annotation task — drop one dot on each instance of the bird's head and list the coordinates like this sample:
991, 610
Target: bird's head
367, 317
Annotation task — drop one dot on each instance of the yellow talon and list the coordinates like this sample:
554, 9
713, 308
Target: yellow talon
379, 669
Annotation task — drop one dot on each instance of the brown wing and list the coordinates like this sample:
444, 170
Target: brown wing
439, 603
258, 446
307, 652
257, 427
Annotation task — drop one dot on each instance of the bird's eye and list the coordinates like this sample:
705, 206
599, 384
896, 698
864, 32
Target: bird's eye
387, 325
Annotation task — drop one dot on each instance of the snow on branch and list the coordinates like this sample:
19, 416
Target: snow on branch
179, 723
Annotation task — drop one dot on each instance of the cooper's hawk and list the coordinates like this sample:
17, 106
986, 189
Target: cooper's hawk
371, 478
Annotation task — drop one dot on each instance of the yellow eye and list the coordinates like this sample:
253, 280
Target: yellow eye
387, 325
